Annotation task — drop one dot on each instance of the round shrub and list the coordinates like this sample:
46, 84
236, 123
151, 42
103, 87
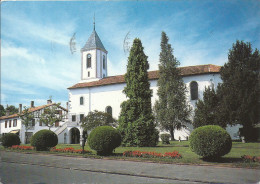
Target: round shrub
210, 142
44, 139
165, 138
104, 139
10, 139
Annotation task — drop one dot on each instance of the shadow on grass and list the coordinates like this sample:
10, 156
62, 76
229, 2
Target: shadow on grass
223, 160
171, 145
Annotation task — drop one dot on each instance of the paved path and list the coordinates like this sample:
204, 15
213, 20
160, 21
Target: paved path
173, 172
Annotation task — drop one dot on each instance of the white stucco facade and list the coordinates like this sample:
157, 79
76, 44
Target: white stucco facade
100, 97
13, 124
100, 92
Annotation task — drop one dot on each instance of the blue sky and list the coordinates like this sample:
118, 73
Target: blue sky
36, 61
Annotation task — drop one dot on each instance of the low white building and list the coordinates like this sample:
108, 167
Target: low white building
13, 123
97, 91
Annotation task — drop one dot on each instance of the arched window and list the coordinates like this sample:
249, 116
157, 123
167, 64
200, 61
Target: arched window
194, 90
104, 62
81, 100
89, 61
109, 110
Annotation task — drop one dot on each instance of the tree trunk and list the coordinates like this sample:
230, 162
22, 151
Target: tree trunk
172, 134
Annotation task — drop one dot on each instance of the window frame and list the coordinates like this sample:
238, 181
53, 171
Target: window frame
104, 62
89, 57
73, 117
194, 90
81, 117
15, 123
81, 100
107, 110
57, 123
33, 122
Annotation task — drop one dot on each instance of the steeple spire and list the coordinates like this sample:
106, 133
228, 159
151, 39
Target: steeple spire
94, 22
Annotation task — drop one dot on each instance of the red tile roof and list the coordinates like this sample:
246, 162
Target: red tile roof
30, 110
152, 75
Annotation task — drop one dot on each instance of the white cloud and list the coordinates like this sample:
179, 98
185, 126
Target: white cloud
25, 28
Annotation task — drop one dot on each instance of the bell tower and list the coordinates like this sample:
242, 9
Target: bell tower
93, 59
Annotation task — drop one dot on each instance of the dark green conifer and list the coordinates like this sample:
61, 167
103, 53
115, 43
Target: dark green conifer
207, 110
171, 109
136, 122
239, 91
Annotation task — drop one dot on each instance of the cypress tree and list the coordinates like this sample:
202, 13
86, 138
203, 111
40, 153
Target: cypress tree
171, 109
239, 91
136, 122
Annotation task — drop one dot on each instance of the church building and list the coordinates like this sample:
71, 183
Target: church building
98, 91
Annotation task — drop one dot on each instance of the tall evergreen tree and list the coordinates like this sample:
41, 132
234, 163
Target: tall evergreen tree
240, 88
207, 110
136, 122
171, 109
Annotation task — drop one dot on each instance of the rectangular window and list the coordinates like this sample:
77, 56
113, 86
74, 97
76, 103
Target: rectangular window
81, 116
33, 122
57, 123
88, 74
15, 123
6, 122
58, 112
40, 123
73, 117
10, 123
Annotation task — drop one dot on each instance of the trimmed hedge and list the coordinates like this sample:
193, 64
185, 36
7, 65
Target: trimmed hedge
43, 140
10, 139
104, 139
165, 138
210, 142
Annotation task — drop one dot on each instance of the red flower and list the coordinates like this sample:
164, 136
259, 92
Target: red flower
144, 154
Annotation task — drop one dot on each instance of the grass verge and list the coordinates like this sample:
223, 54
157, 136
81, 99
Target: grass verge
233, 159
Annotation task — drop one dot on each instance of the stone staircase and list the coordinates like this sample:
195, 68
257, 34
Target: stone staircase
59, 130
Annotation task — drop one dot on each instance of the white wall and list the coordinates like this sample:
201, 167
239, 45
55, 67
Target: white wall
98, 98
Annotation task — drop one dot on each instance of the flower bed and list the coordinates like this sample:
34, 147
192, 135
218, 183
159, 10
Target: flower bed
69, 150
17, 147
174, 154
248, 158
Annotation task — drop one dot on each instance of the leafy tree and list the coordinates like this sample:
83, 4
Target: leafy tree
50, 115
98, 118
171, 109
27, 119
12, 109
207, 110
239, 91
136, 122
2, 110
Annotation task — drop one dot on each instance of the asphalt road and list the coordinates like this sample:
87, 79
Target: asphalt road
39, 168
12, 173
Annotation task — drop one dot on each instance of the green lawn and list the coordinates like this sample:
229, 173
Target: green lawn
232, 159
